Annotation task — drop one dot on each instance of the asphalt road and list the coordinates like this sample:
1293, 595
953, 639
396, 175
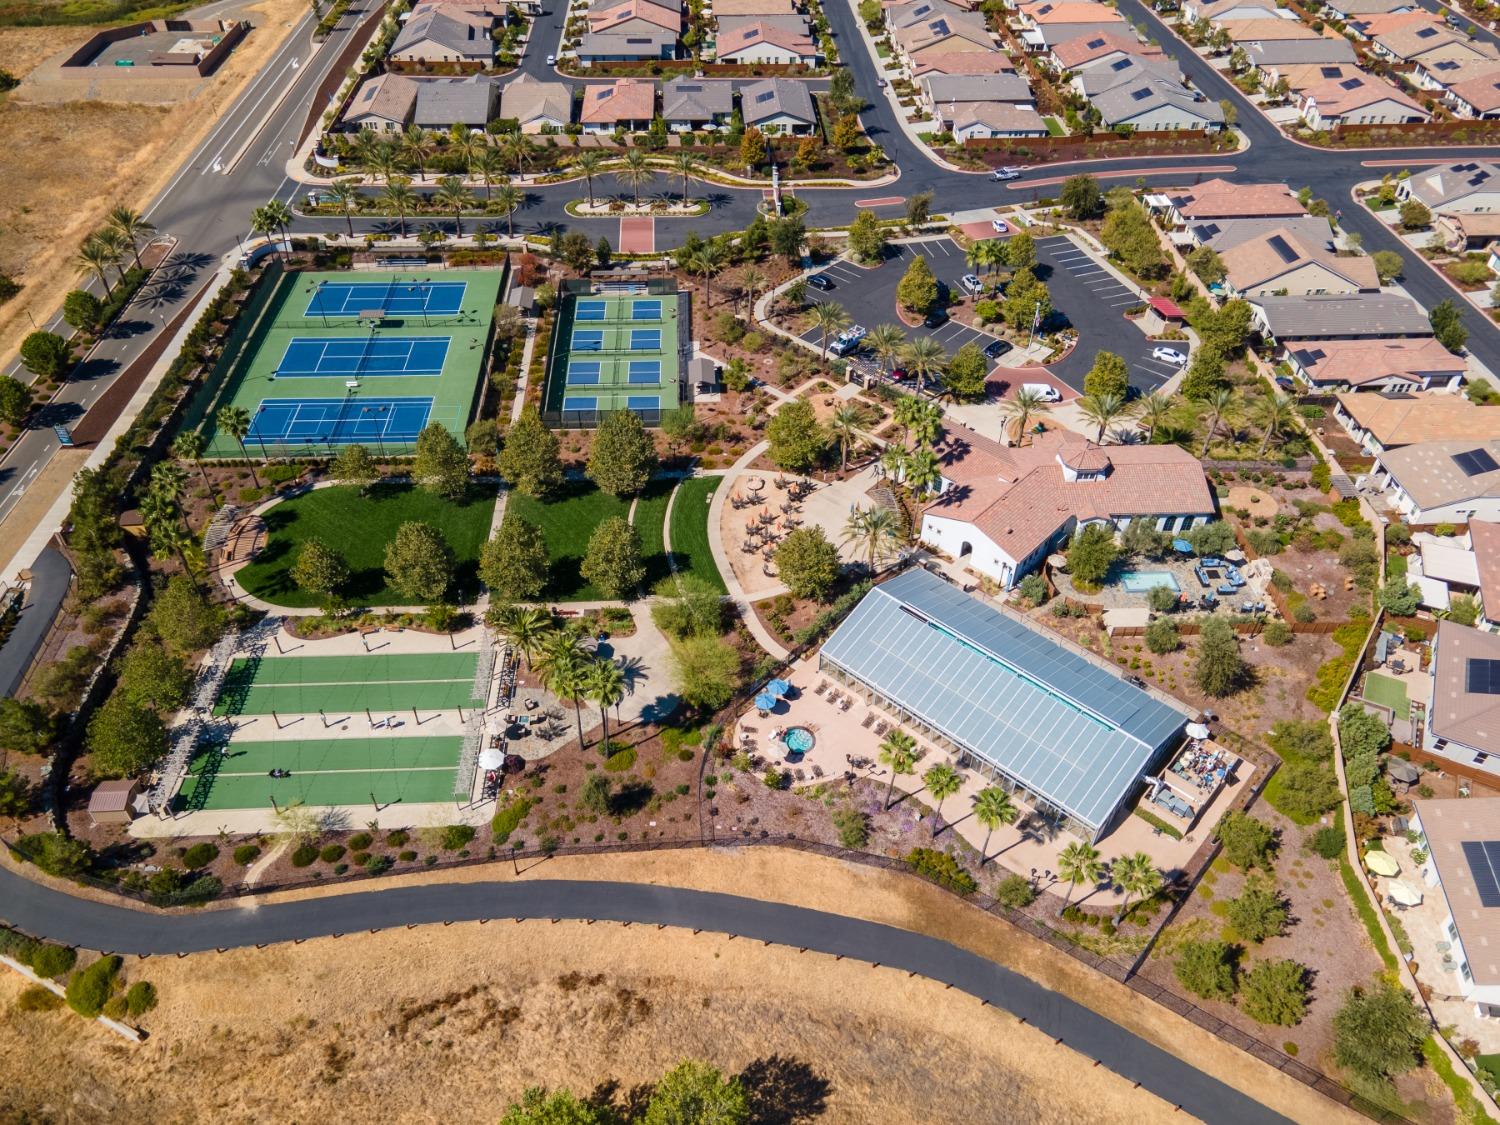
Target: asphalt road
50, 576
47, 913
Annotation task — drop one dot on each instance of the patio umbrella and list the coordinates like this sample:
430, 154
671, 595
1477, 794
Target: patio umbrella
1197, 730
1403, 893
778, 687
1403, 771
764, 702
1182, 546
491, 758
1382, 863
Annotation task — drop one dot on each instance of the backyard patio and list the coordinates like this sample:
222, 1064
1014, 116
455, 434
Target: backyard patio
1203, 585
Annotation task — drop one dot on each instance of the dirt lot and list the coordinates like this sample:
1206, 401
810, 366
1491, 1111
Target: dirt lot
136, 149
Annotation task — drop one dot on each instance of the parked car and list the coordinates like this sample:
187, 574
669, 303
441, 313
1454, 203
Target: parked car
997, 348
936, 318
972, 283
821, 281
1045, 391
843, 346
1000, 225
882, 83
551, 60
899, 375
856, 333
1168, 355
1006, 174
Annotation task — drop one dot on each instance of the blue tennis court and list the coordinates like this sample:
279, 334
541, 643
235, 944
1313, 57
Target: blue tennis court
588, 340
589, 310
643, 402
290, 421
645, 310
437, 298
583, 371
645, 371
346, 357
574, 402
645, 339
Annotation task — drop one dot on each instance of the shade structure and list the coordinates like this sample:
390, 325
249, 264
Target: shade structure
491, 758
778, 688
1403, 892
1197, 730
1382, 863
764, 702
1403, 771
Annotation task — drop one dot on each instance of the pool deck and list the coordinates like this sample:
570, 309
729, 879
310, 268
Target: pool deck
1114, 595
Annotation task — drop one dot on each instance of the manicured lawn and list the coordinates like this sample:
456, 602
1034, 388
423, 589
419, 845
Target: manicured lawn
1054, 127
690, 529
566, 523
359, 527
650, 521
1388, 692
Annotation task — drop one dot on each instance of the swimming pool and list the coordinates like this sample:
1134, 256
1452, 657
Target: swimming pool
1140, 581
799, 740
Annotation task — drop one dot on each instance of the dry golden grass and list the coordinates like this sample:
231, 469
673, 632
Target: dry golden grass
65, 166
449, 1024
23, 49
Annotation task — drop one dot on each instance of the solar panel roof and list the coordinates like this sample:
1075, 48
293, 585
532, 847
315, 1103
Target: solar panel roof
1482, 677
1473, 462
1483, 857
1064, 728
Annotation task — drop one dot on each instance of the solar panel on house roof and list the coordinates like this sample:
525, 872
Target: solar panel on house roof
1330, 71
1141, 94
1120, 64
1282, 249
1095, 44
1482, 677
1483, 857
764, 97
1473, 462
1351, 84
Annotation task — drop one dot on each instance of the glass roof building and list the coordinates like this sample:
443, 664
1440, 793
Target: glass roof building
1021, 708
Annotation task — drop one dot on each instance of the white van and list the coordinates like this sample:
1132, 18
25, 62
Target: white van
1045, 391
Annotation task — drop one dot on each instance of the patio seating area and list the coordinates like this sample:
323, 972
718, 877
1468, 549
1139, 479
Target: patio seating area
1204, 585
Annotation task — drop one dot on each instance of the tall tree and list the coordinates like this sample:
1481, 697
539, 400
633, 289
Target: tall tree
345, 195
1022, 410
623, 455
525, 627
872, 531
924, 357
513, 562
235, 421
453, 198
419, 562
398, 196
829, 318
992, 808
132, 226
530, 459
1078, 864
1136, 875
898, 753
613, 559
1103, 410
441, 466
604, 685
942, 781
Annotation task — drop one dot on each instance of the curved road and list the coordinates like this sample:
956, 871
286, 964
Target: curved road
44, 912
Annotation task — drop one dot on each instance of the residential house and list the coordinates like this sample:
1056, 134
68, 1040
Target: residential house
434, 35
1218, 11
1264, 30
689, 104
1439, 74
1417, 363
1427, 43
1047, 25
384, 103
961, 62
1304, 76
635, 47
1467, 186
1387, 23
445, 102
1091, 81
942, 94
790, 21
940, 36
727, 8
971, 121
1387, 421
1357, 316
778, 105
1458, 836
1484, 541
1220, 235
1461, 722
1100, 49
1220, 199
629, 104
1441, 481
1469, 230
536, 105
1283, 263
1477, 97
635, 17
1345, 10
1271, 57
1360, 100
765, 42
1001, 510
1153, 104
899, 16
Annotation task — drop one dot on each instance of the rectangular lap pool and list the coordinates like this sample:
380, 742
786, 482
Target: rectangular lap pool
1140, 581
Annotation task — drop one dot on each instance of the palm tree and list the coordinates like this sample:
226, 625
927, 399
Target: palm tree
168, 479
1137, 876
588, 162
1156, 411
922, 471
96, 256
399, 198
235, 421
924, 357
511, 198
987, 254
905, 412
926, 423
132, 226
190, 446
363, 145
416, 146
168, 537
468, 144
992, 808
1078, 863
490, 167
872, 530
635, 172
830, 318
527, 628
520, 148
886, 341
752, 281
707, 261
893, 461
384, 161
116, 245
899, 752
604, 684
843, 426
344, 195
1102, 410
1220, 404
451, 195
281, 215
942, 781
1023, 408
561, 666
684, 165
1273, 412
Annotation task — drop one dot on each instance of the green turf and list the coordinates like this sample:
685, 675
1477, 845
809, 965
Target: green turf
650, 522
329, 755
253, 378
690, 548
309, 699
355, 669
359, 527
1388, 692
566, 523
255, 791
613, 387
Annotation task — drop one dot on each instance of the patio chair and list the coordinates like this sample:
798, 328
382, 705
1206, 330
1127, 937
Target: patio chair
869, 722
821, 688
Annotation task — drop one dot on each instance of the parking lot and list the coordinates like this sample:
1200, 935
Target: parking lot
1085, 295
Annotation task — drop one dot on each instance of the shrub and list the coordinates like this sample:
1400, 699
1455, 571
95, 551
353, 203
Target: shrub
199, 856
246, 854
360, 842
456, 837
332, 853
1277, 633
1275, 992
397, 838
1378, 1031
1259, 912
407, 856
1247, 842
942, 869
853, 827
620, 760
1162, 636
378, 864
1207, 969
304, 855
1328, 842
53, 960
140, 998
38, 999
1034, 589
89, 989
1015, 891
508, 819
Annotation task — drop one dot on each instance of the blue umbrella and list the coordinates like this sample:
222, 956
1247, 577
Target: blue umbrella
778, 687
764, 702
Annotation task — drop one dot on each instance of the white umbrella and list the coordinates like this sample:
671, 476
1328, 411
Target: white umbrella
491, 758
1404, 893
1382, 863
1197, 730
